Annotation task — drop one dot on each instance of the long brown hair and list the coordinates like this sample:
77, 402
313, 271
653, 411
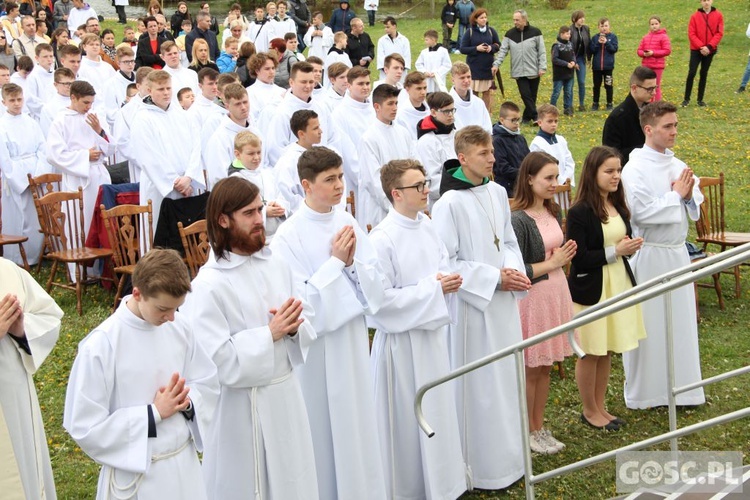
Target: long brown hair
227, 196
588, 189
523, 197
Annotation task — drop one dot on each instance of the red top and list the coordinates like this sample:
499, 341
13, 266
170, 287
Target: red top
659, 43
706, 29
154, 48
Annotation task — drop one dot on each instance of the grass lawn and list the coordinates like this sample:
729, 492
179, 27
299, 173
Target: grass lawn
711, 140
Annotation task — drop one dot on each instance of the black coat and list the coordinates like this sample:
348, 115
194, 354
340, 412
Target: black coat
585, 279
145, 56
510, 150
622, 130
480, 63
358, 47
210, 38
580, 38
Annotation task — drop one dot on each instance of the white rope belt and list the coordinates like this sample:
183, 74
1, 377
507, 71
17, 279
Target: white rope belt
120, 492
256, 428
664, 245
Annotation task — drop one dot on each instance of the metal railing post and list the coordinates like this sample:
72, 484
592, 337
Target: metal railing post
524, 409
671, 398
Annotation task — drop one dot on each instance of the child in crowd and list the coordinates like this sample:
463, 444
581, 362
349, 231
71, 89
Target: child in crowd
319, 37
187, 27
411, 348
393, 69
510, 146
472, 218
247, 159
411, 104
128, 36
186, 97
552, 143
435, 62
130, 91
470, 109
336, 54
537, 224
654, 49
448, 17
306, 128
227, 60
435, 139
563, 70
336, 271
142, 391
603, 48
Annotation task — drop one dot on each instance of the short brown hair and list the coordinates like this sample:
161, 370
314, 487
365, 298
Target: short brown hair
300, 67
576, 15
471, 136
141, 74
124, 50
89, 38
357, 72
315, 60
651, 112
414, 78
10, 89
438, 100
507, 107
300, 119
225, 79
63, 73
80, 89
207, 74
393, 171
315, 161
25, 63
394, 57
161, 271
247, 49
227, 196
336, 69
158, 76
42, 47
431, 34
68, 50
460, 68
547, 109
383, 92
166, 46
234, 91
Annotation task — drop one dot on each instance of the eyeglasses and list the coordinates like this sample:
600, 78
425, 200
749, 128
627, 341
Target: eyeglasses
650, 90
512, 120
64, 84
127, 61
420, 186
450, 111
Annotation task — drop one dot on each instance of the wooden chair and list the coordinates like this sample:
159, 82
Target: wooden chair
9, 239
564, 198
41, 185
716, 285
711, 226
61, 218
131, 235
350, 203
196, 245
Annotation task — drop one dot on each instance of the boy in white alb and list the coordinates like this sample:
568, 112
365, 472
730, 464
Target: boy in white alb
437, 135
411, 104
93, 68
246, 163
168, 151
38, 90
59, 100
336, 85
142, 391
116, 90
260, 31
392, 42
77, 145
181, 77
306, 128
393, 71
22, 152
219, 150
263, 92
204, 106
336, 54
319, 37
351, 119
124, 120
336, 271
435, 62
410, 346
384, 140
470, 109
548, 140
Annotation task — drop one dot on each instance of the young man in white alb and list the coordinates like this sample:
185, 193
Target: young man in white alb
411, 104
470, 109
393, 42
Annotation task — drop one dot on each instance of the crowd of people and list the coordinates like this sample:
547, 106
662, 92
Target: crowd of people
451, 246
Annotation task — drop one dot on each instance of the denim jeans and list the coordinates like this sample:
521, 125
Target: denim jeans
581, 77
462, 28
567, 87
746, 76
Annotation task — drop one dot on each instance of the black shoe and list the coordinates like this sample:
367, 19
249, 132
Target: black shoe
740, 90
609, 106
702, 104
595, 106
581, 108
618, 421
612, 426
685, 103
568, 112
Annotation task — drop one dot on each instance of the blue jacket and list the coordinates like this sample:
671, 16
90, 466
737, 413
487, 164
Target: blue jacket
341, 20
464, 11
225, 63
603, 55
510, 150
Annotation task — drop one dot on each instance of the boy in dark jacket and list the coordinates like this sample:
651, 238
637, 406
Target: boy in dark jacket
448, 18
563, 70
510, 146
603, 48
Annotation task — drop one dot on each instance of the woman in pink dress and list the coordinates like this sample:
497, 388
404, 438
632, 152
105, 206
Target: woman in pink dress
536, 221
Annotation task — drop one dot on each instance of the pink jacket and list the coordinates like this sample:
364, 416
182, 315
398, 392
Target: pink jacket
658, 42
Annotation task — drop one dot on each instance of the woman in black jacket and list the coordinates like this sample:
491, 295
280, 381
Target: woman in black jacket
180, 15
479, 44
599, 223
580, 38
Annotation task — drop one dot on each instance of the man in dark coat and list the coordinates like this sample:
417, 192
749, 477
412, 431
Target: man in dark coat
202, 30
359, 45
622, 130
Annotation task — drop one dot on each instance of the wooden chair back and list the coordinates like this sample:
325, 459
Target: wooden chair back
130, 231
350, 203
564, 198
711, 223
61, 219
45, 183
196, 245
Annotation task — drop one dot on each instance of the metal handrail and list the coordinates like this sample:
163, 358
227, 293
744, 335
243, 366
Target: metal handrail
660, 285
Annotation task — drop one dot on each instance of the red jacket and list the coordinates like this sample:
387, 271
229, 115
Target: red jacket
659, 43
706, 29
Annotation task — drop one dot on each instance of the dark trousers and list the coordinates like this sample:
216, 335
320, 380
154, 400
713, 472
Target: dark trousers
528, 88
447, 32
120, 9
602, 76
371, 17
696, 58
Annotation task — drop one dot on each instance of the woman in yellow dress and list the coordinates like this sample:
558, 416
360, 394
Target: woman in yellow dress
599, 223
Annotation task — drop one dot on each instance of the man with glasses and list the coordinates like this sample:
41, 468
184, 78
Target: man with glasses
115, 91
622, 130
59, 100
435, 136
92, 26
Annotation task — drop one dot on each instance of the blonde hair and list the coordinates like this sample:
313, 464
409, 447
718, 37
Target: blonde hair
246, 138
88, 38
231, 41
199, 42
471, 136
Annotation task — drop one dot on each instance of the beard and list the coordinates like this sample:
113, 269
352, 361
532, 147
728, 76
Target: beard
247, 243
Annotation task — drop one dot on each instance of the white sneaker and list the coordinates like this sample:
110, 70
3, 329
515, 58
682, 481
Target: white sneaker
550, 440
538, 444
